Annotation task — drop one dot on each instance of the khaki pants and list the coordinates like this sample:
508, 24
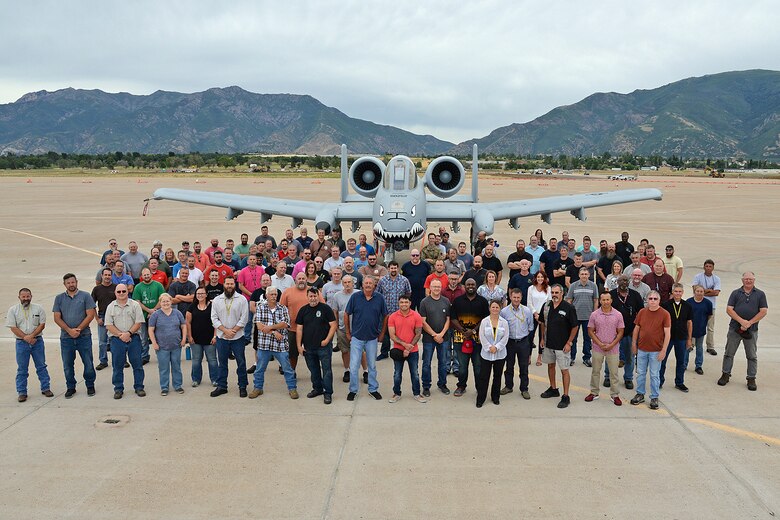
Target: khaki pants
595, 375
711, 332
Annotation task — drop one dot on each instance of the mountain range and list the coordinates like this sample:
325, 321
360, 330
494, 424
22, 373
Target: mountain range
730, 114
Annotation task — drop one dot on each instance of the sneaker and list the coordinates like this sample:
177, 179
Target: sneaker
231, 355
525, 395
313, 394
587, 363
591, 397
637, 399
426, 392
47, 393
382, 356
459, 392
681, 388
164, 392
711, 352
118, 394
144, 361
242, 392
218, 391
365, 378
506, 390
255, 393
101, 366
394, 399
90, 391
723, 381
251, 370
327, 399
550, 392
444, 390
376, 395
22, 398
293, 394
621, 363
629, 385
699, 371
195, 384
140, 392
617, 400
420, 399
654, 403
751, 384
70, 392
606, 382
345, 379
127, 364
351, 396
179, 390
565, 400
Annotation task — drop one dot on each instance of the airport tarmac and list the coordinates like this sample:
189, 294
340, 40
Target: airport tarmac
711, 453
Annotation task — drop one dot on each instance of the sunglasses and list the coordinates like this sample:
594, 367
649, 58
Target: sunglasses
120, 292
415, 255
653, 298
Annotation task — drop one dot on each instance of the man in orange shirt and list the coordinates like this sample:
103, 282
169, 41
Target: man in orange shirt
220, 267
405, 326
437, 274
295, 298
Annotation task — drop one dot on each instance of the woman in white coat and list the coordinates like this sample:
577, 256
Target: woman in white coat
494, 335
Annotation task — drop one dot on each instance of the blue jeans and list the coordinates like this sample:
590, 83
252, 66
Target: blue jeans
133, 351
102, 343
24, 351
412, 360
318, 360
197, 362
69, 347
586, 342
643, 359
143, 332
428, 349
680, 356
356, 349
626, 357
248, 330
450, 356
169, 364
699, 343
224, 348
263, 357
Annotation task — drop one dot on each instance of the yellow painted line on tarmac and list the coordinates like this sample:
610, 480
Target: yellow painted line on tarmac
50, 240
736, 431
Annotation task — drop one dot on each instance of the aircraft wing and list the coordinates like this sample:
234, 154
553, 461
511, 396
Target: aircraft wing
542, 206
268, 206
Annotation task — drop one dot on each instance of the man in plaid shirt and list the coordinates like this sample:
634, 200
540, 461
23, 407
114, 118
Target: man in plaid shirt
272, 320
391, 286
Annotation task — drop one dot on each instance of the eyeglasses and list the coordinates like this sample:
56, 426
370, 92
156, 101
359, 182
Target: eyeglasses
120, 292
414, 255
653, 298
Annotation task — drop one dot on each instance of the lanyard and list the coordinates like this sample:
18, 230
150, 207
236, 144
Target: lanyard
677, 307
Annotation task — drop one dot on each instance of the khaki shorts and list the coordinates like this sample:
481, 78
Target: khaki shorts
341, 341
559, 357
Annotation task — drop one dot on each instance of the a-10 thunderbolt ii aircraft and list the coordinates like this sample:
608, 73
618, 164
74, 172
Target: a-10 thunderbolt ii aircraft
394, 200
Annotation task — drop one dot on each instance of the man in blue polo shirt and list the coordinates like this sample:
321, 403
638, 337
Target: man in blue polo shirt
365, 323
73, 311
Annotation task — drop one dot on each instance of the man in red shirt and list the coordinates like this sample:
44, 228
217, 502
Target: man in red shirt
437, 274
221, 268
158, 275
405, 326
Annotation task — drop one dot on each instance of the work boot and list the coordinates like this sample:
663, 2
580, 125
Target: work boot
751, 384
724, 379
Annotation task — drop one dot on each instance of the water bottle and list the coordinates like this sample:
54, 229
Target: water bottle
188, 353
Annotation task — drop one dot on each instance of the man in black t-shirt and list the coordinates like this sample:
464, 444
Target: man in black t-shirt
522, 280
560, 266
573, 271
213, 287
681, 335
491, 262
316, 326
513, 262
103, 294
558, 320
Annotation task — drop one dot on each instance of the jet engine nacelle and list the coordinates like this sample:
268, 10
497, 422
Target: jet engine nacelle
444, 176
365, 176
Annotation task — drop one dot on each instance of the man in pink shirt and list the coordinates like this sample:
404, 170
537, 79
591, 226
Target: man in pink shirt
250, 277
605, 328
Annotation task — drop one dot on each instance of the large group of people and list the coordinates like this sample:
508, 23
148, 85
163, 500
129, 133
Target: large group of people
310, 297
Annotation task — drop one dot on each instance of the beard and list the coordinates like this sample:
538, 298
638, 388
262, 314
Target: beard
229, 293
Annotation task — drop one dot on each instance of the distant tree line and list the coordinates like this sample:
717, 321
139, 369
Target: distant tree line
509, 162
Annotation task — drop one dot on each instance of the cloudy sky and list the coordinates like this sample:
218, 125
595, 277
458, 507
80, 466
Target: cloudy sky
456, 70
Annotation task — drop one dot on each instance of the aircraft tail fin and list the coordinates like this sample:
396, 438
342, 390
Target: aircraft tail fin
475, 174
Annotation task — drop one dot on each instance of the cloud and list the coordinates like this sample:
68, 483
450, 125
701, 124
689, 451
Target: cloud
454, 71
